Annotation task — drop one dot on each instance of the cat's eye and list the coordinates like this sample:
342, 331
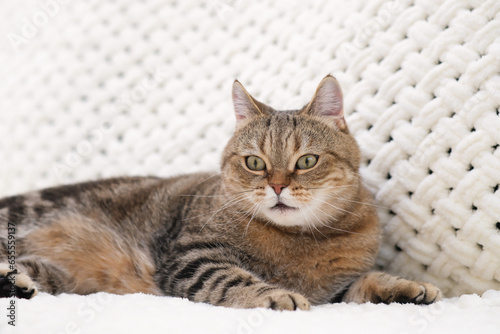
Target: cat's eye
255, 163
307, 161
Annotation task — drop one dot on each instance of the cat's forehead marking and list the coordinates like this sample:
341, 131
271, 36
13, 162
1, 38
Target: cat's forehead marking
281, 139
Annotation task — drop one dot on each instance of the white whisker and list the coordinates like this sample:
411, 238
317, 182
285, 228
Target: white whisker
230, 203
336, 228
208, 178
334, 187
221, 195
352, 201
318, 220
335, 207
254, 213
309, 224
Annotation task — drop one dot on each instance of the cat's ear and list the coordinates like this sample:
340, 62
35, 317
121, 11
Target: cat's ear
328, 102
245, 106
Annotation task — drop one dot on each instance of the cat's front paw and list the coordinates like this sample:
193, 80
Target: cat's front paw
15, 284
376, 287
406, 291
282, 300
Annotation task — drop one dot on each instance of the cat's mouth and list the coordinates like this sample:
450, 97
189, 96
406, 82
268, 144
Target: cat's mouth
282, 207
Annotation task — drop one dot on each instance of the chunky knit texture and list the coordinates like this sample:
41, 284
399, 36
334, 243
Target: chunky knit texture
93, 89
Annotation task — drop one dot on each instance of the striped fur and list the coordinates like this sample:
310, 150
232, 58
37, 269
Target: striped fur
281, 237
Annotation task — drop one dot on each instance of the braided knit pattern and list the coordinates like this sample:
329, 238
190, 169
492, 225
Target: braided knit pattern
97, 88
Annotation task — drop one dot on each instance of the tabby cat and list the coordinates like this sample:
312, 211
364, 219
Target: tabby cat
286, 224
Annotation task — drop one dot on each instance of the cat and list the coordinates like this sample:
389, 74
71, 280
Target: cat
286, 224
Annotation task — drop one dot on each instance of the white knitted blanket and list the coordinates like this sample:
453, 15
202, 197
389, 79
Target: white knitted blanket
99, 88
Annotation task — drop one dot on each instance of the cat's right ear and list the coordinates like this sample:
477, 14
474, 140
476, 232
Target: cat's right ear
245, 106
328, 103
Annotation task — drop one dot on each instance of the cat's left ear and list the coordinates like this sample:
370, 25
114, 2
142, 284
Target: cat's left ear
245, 106
328, 102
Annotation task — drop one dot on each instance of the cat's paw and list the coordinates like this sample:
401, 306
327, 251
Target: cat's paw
376, 287
15, 284
283, 300
405, 291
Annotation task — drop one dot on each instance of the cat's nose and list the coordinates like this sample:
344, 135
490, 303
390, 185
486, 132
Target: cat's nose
277, 187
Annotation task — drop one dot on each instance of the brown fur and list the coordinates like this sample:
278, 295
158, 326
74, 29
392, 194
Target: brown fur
281, 236
95, 255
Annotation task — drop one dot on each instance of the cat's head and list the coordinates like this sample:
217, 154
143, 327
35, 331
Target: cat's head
294, 167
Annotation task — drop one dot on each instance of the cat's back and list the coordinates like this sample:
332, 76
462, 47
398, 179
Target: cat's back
102, 195
124, 202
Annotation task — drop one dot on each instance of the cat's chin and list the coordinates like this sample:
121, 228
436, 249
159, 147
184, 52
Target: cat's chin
284, 215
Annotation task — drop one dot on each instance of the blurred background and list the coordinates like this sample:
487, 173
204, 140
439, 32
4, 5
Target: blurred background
100, 88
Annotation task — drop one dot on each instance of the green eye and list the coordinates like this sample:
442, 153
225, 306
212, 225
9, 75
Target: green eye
307, 161
255, 163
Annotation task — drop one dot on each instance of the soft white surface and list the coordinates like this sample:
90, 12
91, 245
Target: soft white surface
132, 314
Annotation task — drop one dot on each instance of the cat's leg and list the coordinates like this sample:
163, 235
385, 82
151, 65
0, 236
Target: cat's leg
231, 286
234, 287
31, 276
377, 287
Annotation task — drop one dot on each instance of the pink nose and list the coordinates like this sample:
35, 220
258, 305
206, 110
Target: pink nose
277, 187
